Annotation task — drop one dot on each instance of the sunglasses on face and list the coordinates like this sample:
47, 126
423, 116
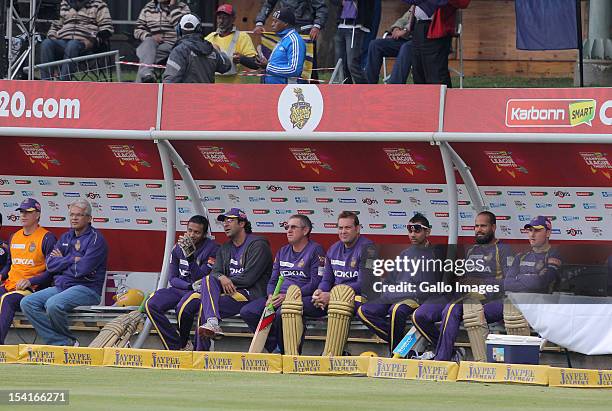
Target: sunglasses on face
416, 228
293, 227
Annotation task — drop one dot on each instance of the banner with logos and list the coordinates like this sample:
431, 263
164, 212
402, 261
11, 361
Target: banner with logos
235, 361
504, 373
579, 378
141, 358
300, 107
314, 365
59, 355
413, 369
78, 105
572, 110
9, 354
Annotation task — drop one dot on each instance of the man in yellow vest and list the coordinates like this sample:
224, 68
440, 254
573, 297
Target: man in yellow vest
27, 270
233, 42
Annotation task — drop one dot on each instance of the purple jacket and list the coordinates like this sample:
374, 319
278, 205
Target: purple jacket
303, 269
183, 272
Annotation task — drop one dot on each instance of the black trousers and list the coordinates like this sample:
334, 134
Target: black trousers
429, 57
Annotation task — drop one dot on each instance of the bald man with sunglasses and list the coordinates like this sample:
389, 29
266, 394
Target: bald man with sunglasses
387, 319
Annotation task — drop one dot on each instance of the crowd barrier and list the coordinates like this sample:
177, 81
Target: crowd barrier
373, 367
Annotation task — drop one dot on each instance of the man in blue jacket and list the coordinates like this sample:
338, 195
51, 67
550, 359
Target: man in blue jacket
287, 59
79, 263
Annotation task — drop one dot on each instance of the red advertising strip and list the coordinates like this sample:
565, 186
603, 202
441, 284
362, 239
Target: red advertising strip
55, 157
300, 107
313, 161
106, 106
584, 110
564, 165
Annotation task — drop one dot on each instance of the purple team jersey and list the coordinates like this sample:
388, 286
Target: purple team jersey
303, 269
342, 265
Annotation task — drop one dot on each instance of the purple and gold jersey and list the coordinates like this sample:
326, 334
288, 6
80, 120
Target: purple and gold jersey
534, 272
236, 265
496, 258
304, 268
342, 265
185, 271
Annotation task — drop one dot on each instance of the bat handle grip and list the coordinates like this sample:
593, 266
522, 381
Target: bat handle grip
277, 289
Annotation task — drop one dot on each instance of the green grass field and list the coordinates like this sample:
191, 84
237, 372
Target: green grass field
106, 388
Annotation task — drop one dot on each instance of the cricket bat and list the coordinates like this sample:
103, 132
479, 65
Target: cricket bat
413, 340
265, 322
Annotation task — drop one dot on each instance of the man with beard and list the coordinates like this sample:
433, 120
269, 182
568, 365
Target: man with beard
236, 44
491, 260
240, 275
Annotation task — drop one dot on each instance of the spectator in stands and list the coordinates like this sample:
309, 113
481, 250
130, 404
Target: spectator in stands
191, 260
388, 318
431, 39
82, 27
300, 263
310, 19
397, 44
25, 271
234, 43
310, 15
156, 29
193, 59
287, 59
79, 264
240, 275
355, 18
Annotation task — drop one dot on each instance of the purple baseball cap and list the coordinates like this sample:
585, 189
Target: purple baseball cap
232, 213
539, 223
29, 204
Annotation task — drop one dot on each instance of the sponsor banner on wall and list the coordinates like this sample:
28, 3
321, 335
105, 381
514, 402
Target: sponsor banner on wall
577, 213
9, 354
582, 378
59, 355
413, 369
505, 373
312, 365
235, 361
300, 107
584, 110
83, 105
141, 358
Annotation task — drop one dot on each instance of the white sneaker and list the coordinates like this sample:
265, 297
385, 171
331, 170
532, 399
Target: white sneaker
427, 355
188, 346
210, 330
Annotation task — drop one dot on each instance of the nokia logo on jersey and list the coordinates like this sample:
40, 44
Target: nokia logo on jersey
235, 271
346, 274
22, 261
292, 273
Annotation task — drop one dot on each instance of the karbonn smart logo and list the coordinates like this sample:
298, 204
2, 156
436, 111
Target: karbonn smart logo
556, 112
16, 105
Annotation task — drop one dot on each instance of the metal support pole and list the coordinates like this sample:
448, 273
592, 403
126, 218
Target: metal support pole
451, 187
170, 231
474, 193
192, 188
32, 39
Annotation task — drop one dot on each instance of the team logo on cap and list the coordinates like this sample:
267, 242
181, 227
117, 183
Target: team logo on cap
304, 114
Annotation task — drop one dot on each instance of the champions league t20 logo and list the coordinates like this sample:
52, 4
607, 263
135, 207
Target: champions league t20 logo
304, 114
